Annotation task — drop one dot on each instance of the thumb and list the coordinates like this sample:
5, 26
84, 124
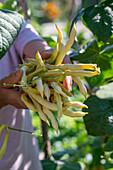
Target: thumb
46, 54
13, 78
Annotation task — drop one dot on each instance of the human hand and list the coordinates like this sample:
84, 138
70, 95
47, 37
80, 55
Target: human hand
46, 54
11, 95
67, 83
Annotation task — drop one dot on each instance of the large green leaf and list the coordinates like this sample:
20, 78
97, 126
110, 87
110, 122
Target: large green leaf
99, 19
102, 56
99, 121
10, 25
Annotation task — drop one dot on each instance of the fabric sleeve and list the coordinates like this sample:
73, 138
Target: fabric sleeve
27, 34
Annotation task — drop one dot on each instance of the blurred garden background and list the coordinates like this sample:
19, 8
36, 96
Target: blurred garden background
72, 148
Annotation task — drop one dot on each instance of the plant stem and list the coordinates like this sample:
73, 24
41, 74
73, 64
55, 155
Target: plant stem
19, 130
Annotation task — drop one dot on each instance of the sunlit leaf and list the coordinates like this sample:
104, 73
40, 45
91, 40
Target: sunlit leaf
10, 25
99, 19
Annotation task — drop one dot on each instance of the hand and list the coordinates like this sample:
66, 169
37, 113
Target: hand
68, 79
11, 95
46, 54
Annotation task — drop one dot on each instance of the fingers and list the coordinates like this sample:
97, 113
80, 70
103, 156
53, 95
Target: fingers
67, 60
14, 98
13, 78
10, 95
67, 83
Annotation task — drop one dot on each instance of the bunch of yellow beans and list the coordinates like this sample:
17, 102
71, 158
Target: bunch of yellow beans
42, 82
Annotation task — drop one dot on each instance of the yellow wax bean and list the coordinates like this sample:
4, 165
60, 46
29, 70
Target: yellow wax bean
58, 78
39, 85
81, 86
61, 55
59, 104
71, 39
24, 77
60, 35
35, 72
54, 54
32, 61
47, 91
32, 69
42, 101
53, 73
71, 66
65, 100
26, 64
65, 90
2, 128
31, 89
4, 146
39, 59
40, 112
58, 89
77, 105
27, 103
82, 73
51, 117
71, 113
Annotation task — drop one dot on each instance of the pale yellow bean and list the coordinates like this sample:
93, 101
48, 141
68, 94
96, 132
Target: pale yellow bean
80, 84
51, 117
71, 113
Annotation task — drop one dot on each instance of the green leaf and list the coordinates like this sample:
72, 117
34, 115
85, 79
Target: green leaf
50, 41
10, 25
77, 18
99, 19
109, 146
48, 164
60, 154
99, 121
10, 5
102, 56
97, 143
75, 166
88, 53
105, 92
